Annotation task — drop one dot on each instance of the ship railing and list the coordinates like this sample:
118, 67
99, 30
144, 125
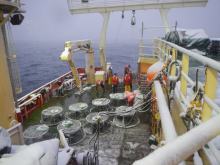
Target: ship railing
163, 49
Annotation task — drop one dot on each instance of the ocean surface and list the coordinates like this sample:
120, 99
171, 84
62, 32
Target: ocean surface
39, 63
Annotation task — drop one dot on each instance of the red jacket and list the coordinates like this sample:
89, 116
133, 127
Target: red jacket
130, 74
97, 83
127, 80
127, 67
115, 80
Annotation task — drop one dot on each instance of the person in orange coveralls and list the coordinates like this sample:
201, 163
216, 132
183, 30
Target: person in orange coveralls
126, 69
130, 75
127, 81
115, 81
100, 82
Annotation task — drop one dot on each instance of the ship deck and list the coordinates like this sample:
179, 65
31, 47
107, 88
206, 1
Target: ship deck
119, 145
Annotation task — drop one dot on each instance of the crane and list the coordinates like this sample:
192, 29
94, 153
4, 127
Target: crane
72, 47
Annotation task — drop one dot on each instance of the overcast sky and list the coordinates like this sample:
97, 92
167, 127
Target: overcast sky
50, 20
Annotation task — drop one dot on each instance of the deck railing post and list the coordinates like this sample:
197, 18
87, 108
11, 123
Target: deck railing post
173, 70
185, 69
141, 44
160, 48
210, 88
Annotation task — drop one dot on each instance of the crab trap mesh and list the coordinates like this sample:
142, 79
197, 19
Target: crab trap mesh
36, 133
52, 116
78, 111
72, 131
125, 117
118, 99
100, 104
91, 126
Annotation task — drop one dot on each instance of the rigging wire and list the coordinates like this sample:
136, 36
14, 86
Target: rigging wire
119, 30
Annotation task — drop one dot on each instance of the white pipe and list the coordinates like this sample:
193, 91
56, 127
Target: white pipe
187, 78
215, 151
211, 103
30, 100
184, 99
167, 123
184, 146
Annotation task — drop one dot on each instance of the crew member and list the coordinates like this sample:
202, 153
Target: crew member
126, 69
110, 75
115, 82
127, 82
100, 82
130, 75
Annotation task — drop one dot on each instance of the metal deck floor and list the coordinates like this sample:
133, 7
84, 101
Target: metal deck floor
117, 147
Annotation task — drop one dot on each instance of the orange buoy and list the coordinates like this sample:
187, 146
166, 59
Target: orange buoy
126, 92
129, 94
136, 92
131, 99
154, 69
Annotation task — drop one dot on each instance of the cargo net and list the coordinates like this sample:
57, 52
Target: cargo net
36, 133
72, 131
52, 116
91, 124
100, 105
77, 111
125, 117
118, 99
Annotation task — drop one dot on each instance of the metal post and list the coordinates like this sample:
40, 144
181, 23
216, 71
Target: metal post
210, 88
163, 14
102, 40
185, 68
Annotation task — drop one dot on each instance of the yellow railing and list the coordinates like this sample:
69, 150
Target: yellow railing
212, 69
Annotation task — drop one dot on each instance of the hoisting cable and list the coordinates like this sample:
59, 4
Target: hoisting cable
133, 22
119, 30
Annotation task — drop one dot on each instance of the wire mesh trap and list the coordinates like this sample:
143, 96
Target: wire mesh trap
52, 116
72, 131
78, 111
36, 133
100, 104
118, 99
91, 126
125, 117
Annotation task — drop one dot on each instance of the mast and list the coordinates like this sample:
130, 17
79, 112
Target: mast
7, 95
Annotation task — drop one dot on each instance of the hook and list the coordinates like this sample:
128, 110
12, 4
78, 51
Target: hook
122, 16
